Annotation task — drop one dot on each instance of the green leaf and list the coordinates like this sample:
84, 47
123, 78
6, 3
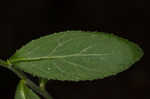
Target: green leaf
23, 92
77, 55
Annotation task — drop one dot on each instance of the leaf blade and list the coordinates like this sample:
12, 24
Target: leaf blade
23, 92
55, 56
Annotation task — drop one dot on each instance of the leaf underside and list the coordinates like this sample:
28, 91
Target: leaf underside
23, 92
76, 55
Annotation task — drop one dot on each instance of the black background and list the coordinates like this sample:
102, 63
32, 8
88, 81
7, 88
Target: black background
24, 20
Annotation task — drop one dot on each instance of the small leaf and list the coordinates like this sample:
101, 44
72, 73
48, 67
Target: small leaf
23, 92
77, 55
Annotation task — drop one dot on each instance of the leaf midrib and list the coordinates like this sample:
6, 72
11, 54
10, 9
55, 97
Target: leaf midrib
53, 57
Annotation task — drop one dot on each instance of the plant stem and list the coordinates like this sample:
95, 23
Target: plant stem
28, 82
42, 92
42, 83
31, 84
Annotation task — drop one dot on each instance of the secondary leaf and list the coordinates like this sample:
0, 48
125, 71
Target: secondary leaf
77, 55
23, 92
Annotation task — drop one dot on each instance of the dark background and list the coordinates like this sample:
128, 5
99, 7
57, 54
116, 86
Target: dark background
24, 20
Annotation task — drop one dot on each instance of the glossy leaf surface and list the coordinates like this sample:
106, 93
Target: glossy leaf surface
77, 55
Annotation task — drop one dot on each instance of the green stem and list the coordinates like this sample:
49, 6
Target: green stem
28, 82
42, 83
31, 84
42, 92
